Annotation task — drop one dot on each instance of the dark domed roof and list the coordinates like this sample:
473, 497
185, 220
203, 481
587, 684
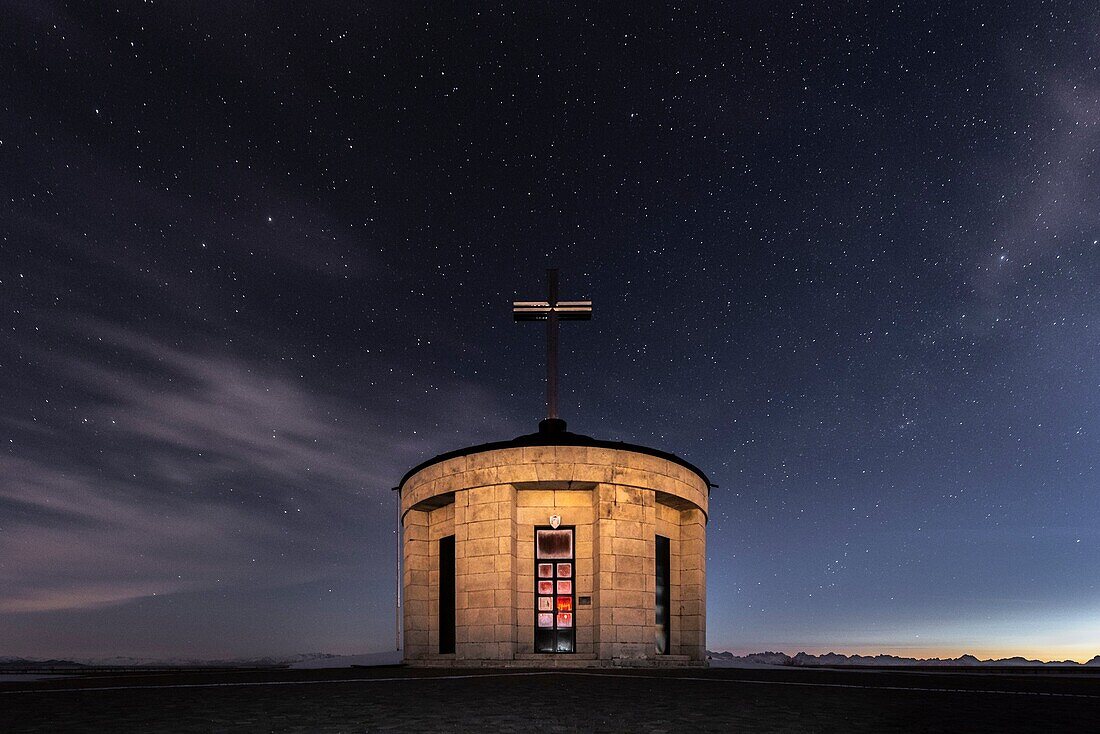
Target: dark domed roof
552, 433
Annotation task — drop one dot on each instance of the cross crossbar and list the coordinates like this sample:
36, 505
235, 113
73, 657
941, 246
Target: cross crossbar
540, 310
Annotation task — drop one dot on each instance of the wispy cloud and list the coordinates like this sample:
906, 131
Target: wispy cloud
74, 540
1050, 196
181, 468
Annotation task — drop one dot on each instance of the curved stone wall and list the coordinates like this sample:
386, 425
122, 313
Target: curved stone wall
617, 500
580, 464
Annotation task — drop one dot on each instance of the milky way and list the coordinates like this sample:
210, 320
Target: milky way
258, 261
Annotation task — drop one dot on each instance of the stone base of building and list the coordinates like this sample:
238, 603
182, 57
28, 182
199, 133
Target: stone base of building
559, 662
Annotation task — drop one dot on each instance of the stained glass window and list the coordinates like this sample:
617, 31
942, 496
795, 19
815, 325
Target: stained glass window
554, 544
554, 623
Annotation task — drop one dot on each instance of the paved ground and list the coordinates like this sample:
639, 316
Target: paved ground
408, 700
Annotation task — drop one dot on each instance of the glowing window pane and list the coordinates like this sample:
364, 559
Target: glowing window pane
546, 570
546, 619
565, 619
565, 603
565, 570
565, 587
546, 604
546, 587
554, 544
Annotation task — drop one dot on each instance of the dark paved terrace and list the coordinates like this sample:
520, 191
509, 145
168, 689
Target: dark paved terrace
409, 700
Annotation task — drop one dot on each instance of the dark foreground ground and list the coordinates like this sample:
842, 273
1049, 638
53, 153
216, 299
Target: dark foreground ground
403, 699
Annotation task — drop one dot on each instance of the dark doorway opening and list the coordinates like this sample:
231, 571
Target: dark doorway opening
447, 594
555, 594
664, 596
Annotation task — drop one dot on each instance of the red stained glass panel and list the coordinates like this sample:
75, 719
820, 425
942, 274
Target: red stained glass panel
565, 570
546, 570
565, 587
565, 619
546, 587
565, 603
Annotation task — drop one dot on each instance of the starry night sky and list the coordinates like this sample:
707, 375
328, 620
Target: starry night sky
258, 258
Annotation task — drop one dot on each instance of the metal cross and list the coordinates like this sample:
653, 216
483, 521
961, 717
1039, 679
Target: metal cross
552, 311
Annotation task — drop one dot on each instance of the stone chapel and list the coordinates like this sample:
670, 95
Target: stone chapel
554, 549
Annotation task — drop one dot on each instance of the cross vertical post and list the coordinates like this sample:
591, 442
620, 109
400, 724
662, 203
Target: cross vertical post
552, 311
552, 344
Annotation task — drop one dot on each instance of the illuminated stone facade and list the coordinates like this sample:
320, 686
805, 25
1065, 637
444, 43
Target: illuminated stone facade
618, 501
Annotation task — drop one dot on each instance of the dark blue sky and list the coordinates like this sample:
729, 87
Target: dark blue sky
257, 261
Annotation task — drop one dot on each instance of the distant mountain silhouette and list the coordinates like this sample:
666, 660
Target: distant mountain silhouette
23, 664
833, 658
10, 664
312, 659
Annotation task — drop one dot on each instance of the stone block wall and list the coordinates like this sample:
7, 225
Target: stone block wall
624, 555
485, 568
616, 500
416, 586
693, 584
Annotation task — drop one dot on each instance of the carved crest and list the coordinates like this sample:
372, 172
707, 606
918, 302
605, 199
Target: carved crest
555, 520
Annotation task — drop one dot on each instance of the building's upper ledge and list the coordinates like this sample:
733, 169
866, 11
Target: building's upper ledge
554, 438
